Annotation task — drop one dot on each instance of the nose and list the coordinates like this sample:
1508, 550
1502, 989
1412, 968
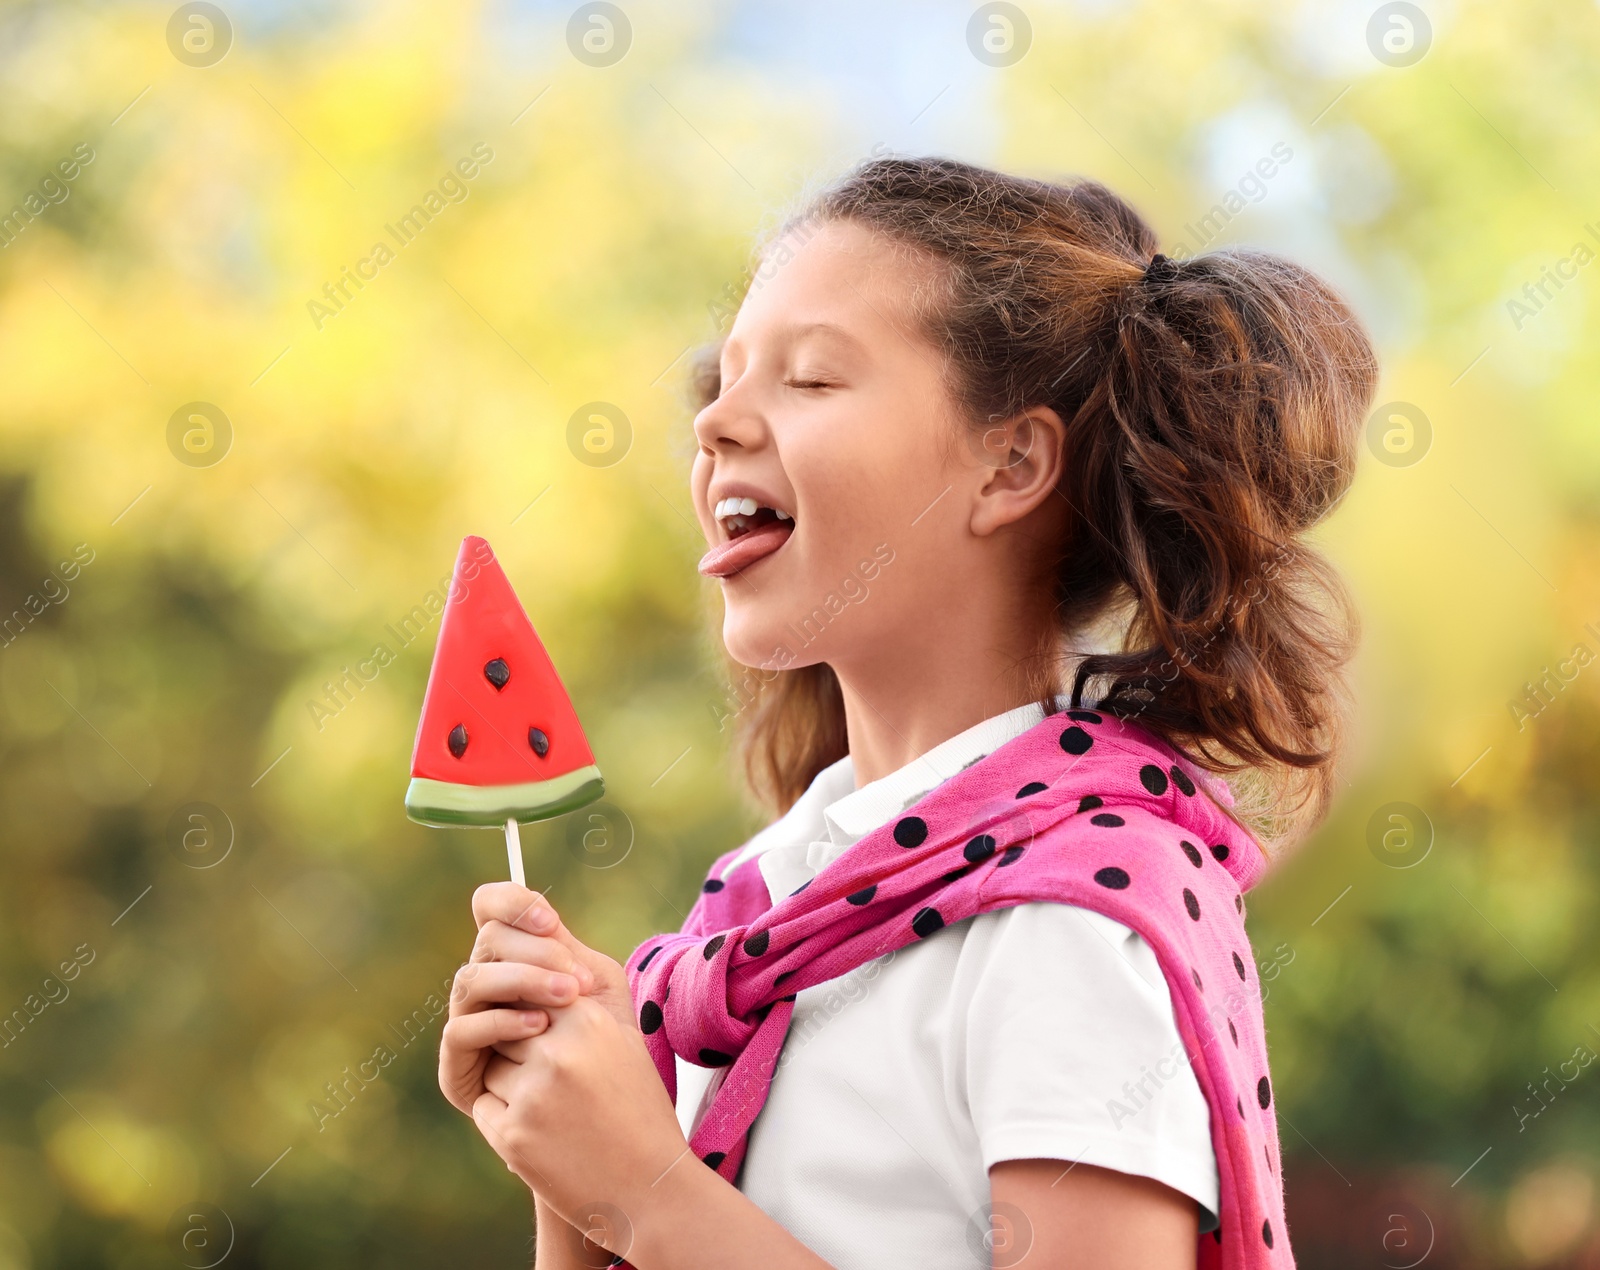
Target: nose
733, 421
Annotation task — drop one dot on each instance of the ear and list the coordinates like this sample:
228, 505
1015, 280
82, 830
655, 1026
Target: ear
1022, 460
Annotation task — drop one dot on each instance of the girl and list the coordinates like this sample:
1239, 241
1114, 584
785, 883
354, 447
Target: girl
982, 991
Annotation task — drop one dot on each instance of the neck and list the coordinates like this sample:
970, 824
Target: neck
903, 705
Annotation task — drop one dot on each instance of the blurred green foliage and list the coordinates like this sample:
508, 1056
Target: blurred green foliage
186, 612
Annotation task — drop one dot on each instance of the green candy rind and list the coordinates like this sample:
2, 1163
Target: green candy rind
445, 804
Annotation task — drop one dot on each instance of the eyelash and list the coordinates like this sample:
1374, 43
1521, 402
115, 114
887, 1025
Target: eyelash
808, 383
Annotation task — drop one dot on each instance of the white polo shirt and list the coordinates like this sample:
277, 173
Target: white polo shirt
1042, 1031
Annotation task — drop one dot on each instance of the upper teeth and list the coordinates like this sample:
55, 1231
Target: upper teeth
743, 507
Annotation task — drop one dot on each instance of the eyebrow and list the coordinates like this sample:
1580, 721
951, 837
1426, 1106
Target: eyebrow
795, 331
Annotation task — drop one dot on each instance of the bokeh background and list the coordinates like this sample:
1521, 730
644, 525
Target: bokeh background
215, 499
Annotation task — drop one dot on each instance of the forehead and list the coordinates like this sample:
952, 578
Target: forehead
835, 281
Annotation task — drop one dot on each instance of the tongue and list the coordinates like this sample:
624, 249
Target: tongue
727, 558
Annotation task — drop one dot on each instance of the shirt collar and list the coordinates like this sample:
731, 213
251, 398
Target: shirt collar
832, 816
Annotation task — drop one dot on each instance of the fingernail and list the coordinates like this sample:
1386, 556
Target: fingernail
533, 1018
563, 985
537, 919
585, 976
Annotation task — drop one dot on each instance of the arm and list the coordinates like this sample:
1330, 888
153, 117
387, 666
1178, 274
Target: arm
1063, 1216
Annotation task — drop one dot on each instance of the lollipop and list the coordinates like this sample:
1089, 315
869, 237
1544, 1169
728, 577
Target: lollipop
498, 741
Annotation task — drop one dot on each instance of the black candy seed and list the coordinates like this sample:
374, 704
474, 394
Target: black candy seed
1180, 778
1264, 1093
1107, 820
1192, 904
1008, 856
457, 740
714, 1058
1238, 964
1193, 852
863, 896
980, 848
1076, 741
649, 1017
911, 831
712, 884
926, 921
1153, 778
1220, 851
1032, 787
757, 943
1090, 801
714, 1158
712, 945
1113, 878
539, 741
497, 673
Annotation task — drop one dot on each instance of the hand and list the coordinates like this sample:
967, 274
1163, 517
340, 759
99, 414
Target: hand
501, 998
585, 1119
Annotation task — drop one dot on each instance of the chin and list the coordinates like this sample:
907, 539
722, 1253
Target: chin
754, 640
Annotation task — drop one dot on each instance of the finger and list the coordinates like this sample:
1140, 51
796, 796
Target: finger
517, 1051
499, 942
527, 910
469, 1033
500, 1076
482, 985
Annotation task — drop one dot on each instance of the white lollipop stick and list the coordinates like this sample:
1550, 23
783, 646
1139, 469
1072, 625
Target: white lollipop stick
514, 852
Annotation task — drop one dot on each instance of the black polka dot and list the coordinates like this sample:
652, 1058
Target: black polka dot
711, 885
1238, 964
1220, 851
1192, 904
926, 921
714, 1058
757, 943
1264, 1093
649, 1017
1032, 787
912, 831
714, 1158
1266, 1233
1153, 778
1180, 778
1233, 1032
1266, 1155
762, 1013
1090, 801
1195, 975
665, 993
1239, 1103
801, 887
1084, 716
863, 896
1238, 902
1107, 820
1113, 878
791, 997
1008, 856
1217, 1234
780, 978
956, 873
649, 957
1193, 852
980, 848
712, 944
1076, 741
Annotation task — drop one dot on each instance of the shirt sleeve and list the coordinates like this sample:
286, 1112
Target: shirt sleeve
1073, 1053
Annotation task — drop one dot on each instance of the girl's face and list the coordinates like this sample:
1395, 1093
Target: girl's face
834, 414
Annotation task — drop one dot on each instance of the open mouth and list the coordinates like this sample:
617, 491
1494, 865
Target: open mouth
754, 533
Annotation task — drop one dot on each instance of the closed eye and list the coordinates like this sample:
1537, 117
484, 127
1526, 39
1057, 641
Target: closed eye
808, 383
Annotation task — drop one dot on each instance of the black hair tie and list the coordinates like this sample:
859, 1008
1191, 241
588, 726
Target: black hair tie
1160, 269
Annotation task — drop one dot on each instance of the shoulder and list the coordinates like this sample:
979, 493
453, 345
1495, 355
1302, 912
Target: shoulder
1046, 943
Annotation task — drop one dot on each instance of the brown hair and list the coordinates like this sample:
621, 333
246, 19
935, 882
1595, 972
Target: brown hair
1213, 411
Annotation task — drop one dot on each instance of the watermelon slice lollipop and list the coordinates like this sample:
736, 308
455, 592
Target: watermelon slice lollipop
498, 741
